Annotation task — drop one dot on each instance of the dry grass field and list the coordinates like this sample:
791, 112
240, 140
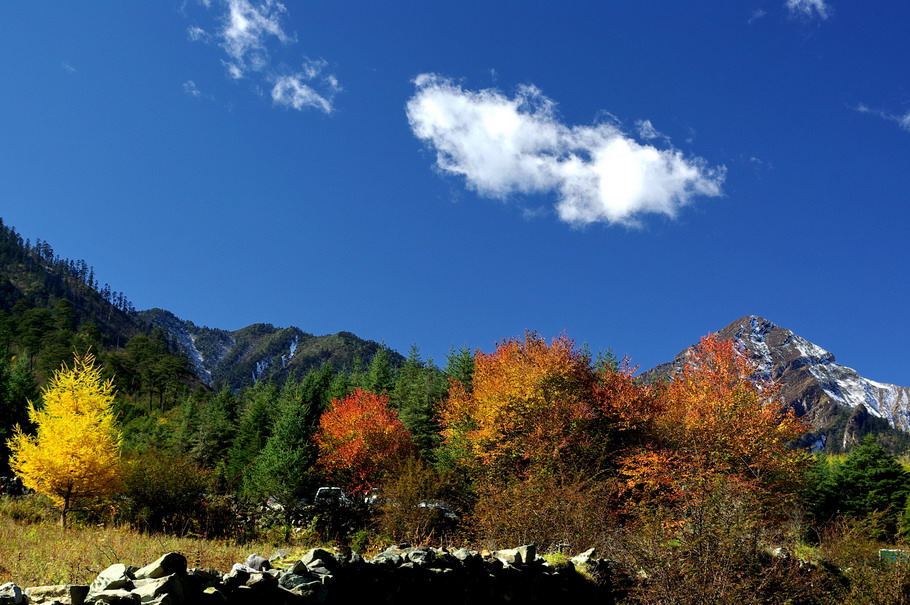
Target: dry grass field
35, 551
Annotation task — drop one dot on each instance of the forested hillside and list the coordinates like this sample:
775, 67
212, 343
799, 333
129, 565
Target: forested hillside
261, 351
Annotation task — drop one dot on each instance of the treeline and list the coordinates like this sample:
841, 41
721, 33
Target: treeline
34, 277
59, 273
257, 442
537, 442
35, 342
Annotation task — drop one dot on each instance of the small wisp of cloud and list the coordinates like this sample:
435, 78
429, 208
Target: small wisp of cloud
295, 90
808, 9
504, 146
901, 120
247, 33
756, 15
67, 67
189, 87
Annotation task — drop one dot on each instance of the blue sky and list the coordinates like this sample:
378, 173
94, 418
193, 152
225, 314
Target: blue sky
633, 174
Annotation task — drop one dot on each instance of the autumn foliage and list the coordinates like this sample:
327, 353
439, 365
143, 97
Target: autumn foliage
360, 437
528, 402
75, 454
717, 418
541, 422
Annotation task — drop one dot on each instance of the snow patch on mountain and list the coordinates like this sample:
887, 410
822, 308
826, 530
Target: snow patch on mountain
293, 347
842, 384
196, 359
261, 366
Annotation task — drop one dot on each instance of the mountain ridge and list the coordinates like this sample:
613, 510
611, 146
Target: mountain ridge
840, 404
261, 351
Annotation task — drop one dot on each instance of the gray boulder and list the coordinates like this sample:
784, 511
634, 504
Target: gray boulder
319, 557
584, 558
117, 576
65, 594
10, 594
153, 588
116, 596
420, 555
257, 562
171, 563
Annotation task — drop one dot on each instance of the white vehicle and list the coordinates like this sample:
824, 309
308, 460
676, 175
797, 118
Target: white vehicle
331, 495
442, 507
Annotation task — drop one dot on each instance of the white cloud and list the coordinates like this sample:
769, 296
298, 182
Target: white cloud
756, 15
245, 31
196, 33
67, 67
189, 87
901, 120
646, 130
293, 91
504, 146
808, 8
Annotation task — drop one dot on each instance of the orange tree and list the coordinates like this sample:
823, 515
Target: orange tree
540, 423
360, 437
713, 476
717, 418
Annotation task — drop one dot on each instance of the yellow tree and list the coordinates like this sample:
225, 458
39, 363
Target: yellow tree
74, 455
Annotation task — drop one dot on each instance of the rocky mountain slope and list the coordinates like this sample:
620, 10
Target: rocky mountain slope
841, 405
260, 351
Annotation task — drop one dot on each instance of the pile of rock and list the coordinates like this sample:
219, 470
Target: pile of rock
397, 574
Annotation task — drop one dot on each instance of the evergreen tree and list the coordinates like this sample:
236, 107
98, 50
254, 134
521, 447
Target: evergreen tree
871, 480
380, 378
254, 430
283, 471
418, 389
188, 421
460, 367
17, 387
215, 431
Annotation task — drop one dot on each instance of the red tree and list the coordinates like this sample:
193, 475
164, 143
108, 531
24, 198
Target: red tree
360, 438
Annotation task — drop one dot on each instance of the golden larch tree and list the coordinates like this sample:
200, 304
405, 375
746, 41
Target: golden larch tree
74, 455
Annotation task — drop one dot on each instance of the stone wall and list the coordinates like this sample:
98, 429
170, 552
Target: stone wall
397, 575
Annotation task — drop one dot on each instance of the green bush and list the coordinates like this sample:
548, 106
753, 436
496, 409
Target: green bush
164, 492
30, 508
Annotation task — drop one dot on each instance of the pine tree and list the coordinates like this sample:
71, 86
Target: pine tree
871, 480
380, 378
215, 431
418, 389
254, 430
283, 471
460, 367
74, 456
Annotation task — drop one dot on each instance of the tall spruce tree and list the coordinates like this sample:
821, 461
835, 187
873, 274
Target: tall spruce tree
418, 389
256, 420
215, 431
283, 472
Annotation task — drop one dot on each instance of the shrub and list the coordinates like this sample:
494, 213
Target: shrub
165, 492
411, 507
849, 548
551, 511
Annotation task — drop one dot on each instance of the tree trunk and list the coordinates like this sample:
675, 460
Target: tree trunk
64, 510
